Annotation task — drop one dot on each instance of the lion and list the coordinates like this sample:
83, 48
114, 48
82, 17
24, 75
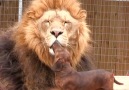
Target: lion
26, 56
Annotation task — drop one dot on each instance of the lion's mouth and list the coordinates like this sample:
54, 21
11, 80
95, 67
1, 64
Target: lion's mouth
51, 51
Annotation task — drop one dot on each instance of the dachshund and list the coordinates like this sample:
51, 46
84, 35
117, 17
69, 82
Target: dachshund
67, 78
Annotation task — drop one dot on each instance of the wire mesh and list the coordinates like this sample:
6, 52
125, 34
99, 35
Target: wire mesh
8, 13
109, 22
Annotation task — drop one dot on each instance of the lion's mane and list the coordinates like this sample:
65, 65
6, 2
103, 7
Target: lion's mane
24, 60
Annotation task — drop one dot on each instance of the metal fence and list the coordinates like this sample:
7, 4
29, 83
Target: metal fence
108, 20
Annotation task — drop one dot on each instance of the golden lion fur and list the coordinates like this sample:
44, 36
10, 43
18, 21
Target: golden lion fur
27, 31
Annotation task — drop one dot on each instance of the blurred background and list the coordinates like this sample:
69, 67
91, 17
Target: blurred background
108, 21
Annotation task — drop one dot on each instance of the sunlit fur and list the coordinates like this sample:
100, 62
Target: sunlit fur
32, 40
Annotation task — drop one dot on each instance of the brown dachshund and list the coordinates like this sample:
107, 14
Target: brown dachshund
66, 78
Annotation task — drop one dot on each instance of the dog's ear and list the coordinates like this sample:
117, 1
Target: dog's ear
57, 66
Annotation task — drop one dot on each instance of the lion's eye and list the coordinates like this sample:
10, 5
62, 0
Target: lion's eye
47, 22
67, 23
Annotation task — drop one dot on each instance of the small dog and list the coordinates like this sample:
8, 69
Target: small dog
67, 78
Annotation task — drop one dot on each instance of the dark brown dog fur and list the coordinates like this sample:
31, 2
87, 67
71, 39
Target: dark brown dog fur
67, 78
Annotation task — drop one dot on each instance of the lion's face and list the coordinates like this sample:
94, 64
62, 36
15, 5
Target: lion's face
50, 20
58, 25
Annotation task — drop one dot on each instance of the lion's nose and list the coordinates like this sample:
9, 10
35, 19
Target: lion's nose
56, 33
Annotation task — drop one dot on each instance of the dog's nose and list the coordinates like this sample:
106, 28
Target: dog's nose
56, 33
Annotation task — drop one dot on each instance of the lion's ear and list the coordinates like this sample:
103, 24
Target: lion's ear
31, 14
34, 14
83, 14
